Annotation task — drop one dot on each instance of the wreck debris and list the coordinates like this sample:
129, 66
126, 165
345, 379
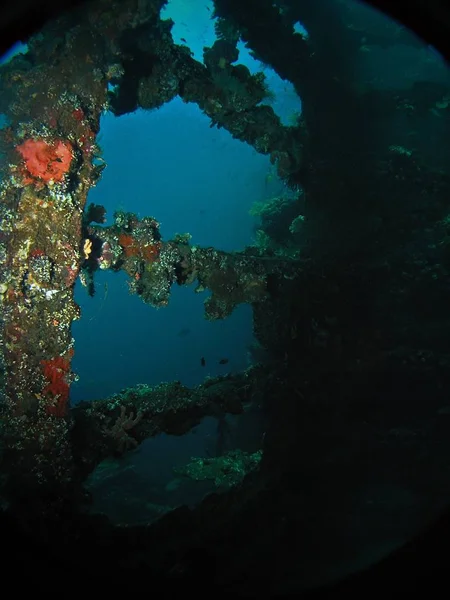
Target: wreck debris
135, 246
117, 424
226, 471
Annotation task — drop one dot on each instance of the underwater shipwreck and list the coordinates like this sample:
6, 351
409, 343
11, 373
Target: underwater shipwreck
351, 311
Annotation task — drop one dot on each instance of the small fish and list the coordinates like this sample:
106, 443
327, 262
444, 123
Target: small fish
223, 361
183, 332
183, 40
203, 361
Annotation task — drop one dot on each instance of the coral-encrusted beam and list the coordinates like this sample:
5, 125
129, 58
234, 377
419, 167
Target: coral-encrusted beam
51, 169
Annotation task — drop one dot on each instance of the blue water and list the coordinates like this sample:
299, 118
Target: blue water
169, 164
172, 165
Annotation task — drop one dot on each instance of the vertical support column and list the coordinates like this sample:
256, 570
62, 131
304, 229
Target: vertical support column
47, 177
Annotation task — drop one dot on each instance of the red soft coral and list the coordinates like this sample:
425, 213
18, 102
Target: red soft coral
45, 161
57, 389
